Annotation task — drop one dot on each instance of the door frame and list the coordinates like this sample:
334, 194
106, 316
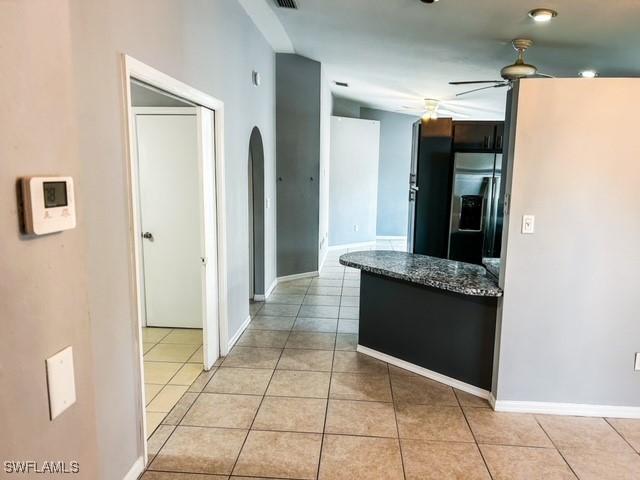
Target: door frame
133, 69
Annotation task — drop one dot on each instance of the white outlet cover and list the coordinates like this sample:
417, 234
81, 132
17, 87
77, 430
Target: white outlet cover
528, 224
638, 362
61, 382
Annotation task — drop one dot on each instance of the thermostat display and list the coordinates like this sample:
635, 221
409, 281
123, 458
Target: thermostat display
55, 194
49, 204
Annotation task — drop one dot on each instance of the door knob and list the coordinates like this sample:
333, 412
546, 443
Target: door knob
148, 236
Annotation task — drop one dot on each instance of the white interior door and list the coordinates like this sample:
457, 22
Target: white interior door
171, 221
209, 218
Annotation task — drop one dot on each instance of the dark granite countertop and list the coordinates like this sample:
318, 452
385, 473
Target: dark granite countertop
458, 277
492, 265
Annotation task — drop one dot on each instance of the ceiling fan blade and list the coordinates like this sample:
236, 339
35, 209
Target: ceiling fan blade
544, 75
476, 81
500, 85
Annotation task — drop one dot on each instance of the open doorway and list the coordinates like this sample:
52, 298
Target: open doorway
176, 178
166, 141
256, 217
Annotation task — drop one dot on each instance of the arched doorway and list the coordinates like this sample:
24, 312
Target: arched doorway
256, 216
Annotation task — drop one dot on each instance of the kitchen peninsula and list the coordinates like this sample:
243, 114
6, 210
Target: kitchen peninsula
434, 316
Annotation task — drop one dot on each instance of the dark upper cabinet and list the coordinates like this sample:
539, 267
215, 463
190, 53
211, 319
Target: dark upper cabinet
478, 136
499, 143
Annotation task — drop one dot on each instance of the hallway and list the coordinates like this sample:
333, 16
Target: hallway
294, 400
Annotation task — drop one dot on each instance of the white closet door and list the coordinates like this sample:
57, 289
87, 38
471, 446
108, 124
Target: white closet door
171, 219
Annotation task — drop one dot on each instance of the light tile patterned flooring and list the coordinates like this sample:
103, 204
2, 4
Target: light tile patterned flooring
172, 361
294, 400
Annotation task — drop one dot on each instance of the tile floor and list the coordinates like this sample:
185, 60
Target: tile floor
172, 362
294, 400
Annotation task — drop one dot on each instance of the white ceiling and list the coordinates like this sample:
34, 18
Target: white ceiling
397, 52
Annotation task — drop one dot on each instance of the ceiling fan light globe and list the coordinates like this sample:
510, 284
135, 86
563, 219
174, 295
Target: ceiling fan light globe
518, 70
543, 15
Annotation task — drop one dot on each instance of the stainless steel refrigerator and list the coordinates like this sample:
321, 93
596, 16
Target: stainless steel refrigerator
474, 206
454, 199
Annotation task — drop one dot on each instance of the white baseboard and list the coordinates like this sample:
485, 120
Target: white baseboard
372, 243
391, 237
269, 291
297, 276
572, 409
323, 258
234, 339
452, 382
136, 470
262, 298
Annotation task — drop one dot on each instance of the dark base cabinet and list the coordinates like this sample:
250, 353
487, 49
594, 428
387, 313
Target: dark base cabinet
448, 333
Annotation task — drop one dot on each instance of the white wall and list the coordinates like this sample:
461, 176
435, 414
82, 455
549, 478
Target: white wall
326, 109
396, 134
213, 46
570, 314
355, 152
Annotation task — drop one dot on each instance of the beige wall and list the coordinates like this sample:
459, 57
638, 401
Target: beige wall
63, 113
43, 286
571, 309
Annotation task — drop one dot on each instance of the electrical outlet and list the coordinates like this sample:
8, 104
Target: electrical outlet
356, 228
60, 382
528, 224
637, 368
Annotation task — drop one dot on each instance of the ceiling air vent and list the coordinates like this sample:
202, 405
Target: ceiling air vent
341, 84
287, 4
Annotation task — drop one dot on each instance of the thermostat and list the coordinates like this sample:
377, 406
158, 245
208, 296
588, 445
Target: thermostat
49, 204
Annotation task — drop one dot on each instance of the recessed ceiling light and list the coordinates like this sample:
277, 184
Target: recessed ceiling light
588, 74
543, 15
429, 1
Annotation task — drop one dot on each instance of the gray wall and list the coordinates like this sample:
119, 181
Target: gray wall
142, 96
298, 113
393, 171
344, 107
569, 326
213, 46
353, 180
43, 286
256, 209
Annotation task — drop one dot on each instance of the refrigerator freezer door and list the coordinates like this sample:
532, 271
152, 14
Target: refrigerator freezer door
471, 205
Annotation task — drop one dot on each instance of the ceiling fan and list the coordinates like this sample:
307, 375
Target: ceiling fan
510, 73
432, 109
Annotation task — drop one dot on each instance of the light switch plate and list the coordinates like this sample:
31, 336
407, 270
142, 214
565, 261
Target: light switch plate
61, 382
528, 224
638, 362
